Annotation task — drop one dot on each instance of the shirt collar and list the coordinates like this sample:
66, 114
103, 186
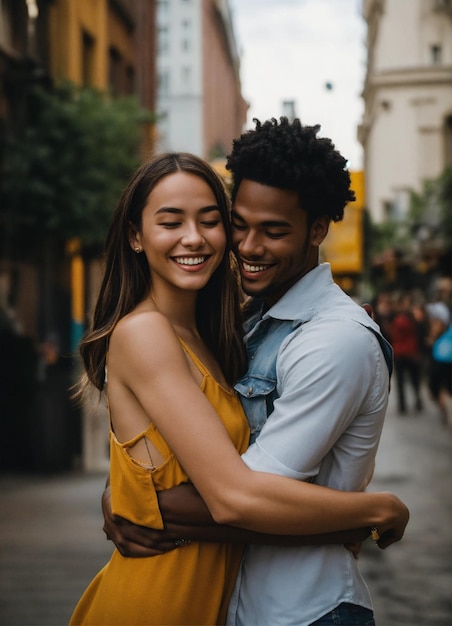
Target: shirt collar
301, 300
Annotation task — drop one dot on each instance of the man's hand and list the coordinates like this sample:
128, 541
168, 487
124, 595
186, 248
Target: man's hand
393, 529
132, 540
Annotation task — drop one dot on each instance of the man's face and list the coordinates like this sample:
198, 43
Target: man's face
272, 241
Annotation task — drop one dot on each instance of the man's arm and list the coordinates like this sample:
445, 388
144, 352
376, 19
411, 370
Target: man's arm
186, 516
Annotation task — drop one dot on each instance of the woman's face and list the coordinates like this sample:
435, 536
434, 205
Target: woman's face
182, 234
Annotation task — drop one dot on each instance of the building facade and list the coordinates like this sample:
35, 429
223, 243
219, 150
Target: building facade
48, 290
199, 101
108, 45
406, 130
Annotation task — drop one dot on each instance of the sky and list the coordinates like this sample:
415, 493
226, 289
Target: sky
294, 50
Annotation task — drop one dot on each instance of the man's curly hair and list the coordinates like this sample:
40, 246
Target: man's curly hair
290, 156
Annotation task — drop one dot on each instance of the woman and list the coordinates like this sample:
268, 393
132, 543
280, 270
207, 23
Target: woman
167, 329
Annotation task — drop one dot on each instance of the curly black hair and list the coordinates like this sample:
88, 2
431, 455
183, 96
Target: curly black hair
289, 155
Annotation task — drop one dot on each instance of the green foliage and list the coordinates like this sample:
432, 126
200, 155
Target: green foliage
431, 209
65, 171
388, 235
446, 205
429, 219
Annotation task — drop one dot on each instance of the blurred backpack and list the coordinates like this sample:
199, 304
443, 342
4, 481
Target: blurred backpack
442, 348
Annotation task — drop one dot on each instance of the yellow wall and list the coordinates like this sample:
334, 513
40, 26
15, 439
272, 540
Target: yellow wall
69, 19
343, 247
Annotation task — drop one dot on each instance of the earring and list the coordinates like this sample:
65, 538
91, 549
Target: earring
138, 250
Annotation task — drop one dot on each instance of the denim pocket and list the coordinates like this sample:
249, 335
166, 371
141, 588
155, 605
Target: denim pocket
256, 395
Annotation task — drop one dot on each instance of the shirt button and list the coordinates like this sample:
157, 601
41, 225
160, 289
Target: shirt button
250, 390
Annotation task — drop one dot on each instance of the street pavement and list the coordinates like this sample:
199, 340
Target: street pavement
51, 539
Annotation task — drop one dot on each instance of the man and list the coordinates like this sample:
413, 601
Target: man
316, 390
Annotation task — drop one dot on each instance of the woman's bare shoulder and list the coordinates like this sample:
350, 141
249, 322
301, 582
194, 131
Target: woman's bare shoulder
136, 319
142, 329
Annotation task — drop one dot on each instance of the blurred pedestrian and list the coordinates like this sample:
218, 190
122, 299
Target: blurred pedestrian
407, 353
383, 312
440, 340
420, 314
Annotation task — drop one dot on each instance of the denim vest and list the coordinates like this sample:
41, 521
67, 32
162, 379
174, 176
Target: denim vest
258, 387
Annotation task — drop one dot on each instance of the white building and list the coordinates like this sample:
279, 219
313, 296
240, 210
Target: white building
199, 100
406, 131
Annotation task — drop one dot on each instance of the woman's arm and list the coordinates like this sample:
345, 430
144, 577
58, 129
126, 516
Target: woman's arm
186, 516
146, 359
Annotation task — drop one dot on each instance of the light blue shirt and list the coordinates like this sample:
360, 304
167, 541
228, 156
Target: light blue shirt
316, 394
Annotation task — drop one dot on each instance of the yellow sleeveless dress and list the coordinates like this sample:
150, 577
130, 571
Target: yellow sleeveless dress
187, 586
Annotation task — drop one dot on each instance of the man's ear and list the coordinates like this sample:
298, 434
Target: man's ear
319, 230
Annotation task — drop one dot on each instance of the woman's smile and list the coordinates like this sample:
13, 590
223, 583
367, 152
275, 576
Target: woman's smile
192, 263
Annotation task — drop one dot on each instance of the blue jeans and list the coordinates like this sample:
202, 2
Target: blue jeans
347, 615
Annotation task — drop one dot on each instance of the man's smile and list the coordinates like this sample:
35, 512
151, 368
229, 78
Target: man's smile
254, 268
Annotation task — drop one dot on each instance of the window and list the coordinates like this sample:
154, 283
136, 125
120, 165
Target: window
443, 5
163, 12
87, 58
435, 54
163, 7
114, 71
388, 210
13, 25
186, 76
163, 83
129, 86
186, 35
448, 141
163, 39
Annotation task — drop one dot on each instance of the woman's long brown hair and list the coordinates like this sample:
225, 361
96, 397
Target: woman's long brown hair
126, 280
